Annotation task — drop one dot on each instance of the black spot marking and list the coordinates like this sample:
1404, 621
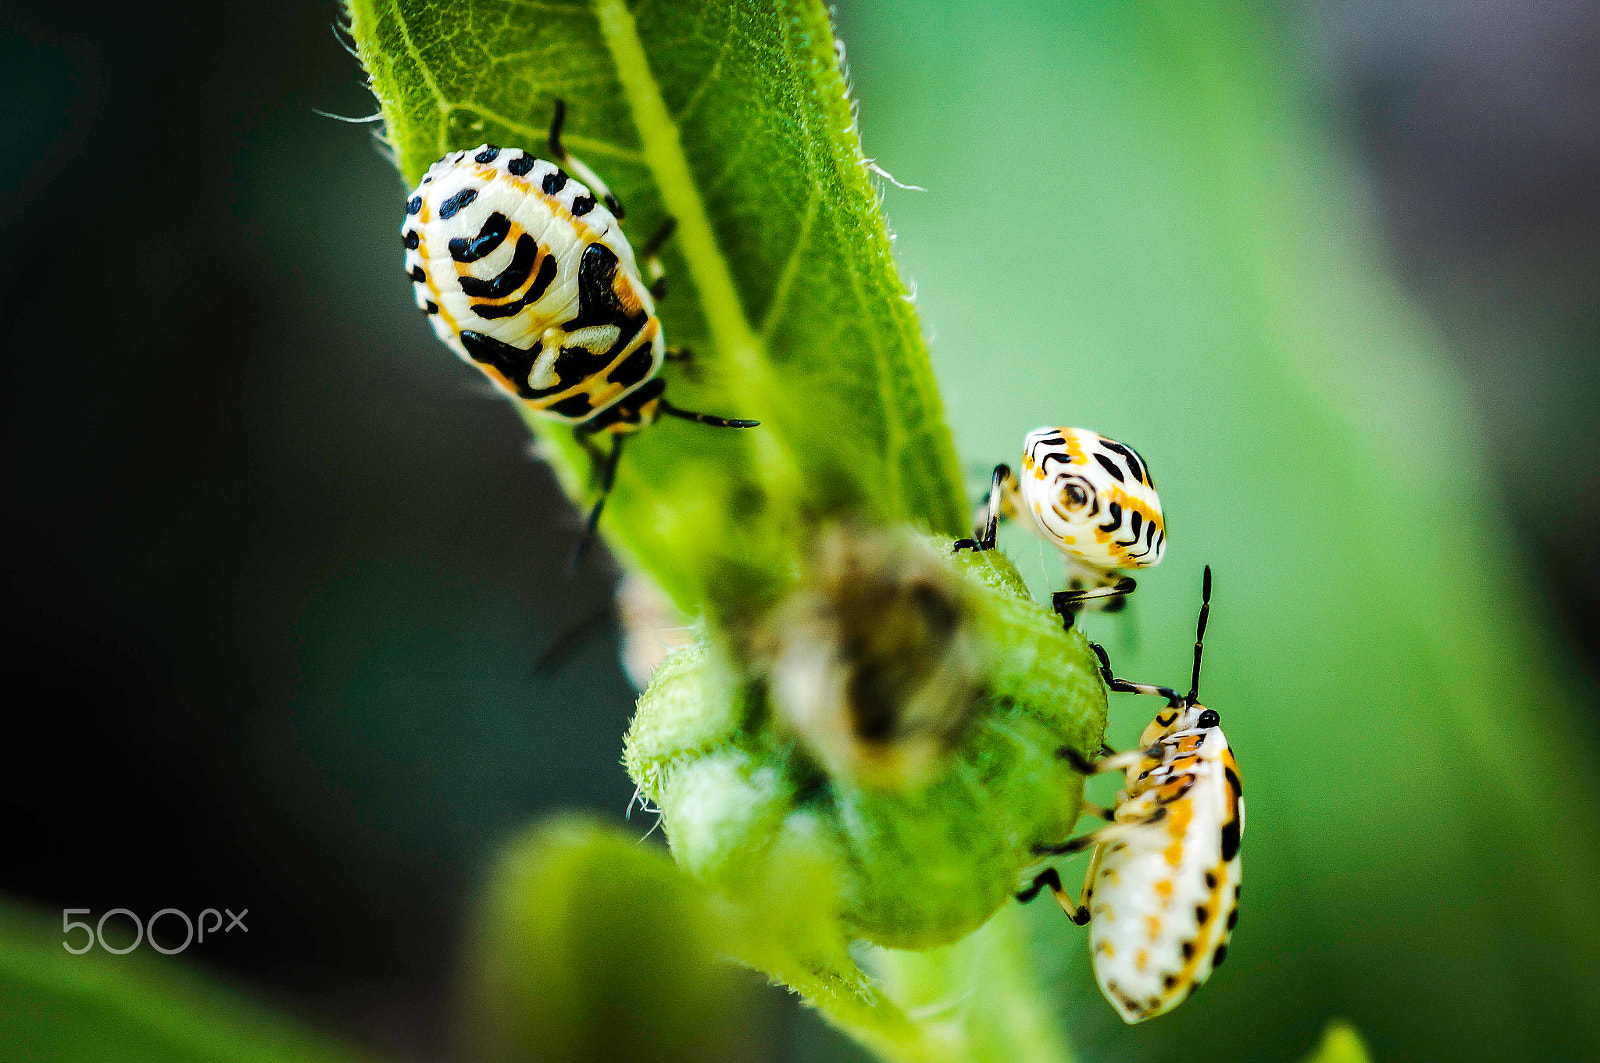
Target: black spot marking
1186, 783
1114, 518
582, 205
541, 281
575, 406
1111, 467
1230, 838
1202, 913
1233, 919
431, 308
1044, 462
414, 205
450, 207
1170, 981
487, 155
1233, 780
1135, 523
635, 367
629, 410
1211, 880
1135, 463
508, 280
521, 165
513, 363
1188, 950
1236, 891
597, 297
554, 182
575, 364
417, 275
495, 229
1220, 955
410, 239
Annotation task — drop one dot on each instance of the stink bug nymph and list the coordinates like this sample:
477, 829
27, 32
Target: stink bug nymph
1092, 497
526, 274
1162, 892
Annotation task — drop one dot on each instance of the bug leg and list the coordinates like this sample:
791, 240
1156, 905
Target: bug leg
573, 639
1047, 877
1067, 603
558, 152
1073, 845
596, 456
608, 476
986, 535
685, 357
1172, 696
1110, 762
1098, 811
1115, 832
650, 257
1077, 911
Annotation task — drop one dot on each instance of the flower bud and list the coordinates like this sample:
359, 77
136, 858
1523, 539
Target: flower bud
787, 749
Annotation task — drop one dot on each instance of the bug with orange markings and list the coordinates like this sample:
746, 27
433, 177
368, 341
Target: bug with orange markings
1162, 892
526, 274
1094, 500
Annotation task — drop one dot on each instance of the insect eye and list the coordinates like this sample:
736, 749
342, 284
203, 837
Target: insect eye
1209, 718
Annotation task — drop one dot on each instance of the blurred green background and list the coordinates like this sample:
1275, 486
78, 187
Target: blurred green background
278, 568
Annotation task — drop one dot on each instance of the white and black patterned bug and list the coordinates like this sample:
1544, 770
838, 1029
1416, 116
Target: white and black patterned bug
1162, 891
1094, 498
526, 274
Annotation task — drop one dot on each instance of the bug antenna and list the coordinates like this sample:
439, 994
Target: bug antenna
706, 418
1200, 635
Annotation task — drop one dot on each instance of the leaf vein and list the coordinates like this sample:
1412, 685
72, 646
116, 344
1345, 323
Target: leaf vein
791, 268
731, 332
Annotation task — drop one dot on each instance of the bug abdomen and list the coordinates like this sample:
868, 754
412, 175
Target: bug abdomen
524, 274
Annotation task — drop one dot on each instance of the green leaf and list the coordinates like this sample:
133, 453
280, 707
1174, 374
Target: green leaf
593, 947
56, 1007
733, 119
1340, 1044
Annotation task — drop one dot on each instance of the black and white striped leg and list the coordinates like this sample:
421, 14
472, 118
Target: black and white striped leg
1111, 761
986, 535
570, 163
1114, 832
1077, 911
1122, 685
1068, 603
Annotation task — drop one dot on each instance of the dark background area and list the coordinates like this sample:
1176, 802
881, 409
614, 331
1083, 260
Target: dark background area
260, 526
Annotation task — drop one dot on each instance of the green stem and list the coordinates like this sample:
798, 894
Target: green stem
977, 1001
